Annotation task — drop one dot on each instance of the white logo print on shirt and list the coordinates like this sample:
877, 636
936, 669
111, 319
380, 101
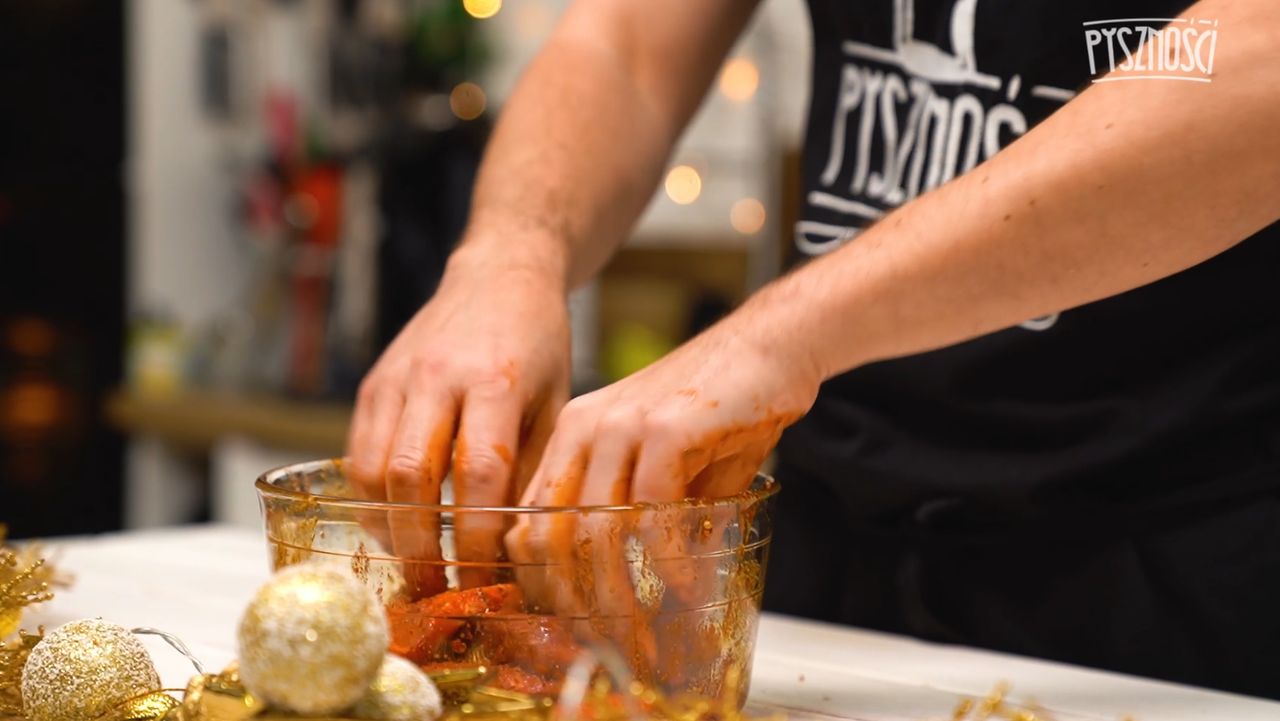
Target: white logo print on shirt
939, 138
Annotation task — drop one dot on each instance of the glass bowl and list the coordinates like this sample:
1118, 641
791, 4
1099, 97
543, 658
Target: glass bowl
673, 589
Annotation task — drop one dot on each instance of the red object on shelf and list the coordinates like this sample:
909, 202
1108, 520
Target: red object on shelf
316, 197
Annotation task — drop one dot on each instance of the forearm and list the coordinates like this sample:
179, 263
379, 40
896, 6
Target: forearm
1126, 184
557, 187
582, 142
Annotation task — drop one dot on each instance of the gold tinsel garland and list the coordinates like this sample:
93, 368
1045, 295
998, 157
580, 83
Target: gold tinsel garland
13, 656
25, 580
996, 706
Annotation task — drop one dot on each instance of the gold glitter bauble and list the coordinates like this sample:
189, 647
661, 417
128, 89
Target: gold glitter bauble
402, 692
83, 670
312, 640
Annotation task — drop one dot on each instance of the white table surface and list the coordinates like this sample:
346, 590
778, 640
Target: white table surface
193, 582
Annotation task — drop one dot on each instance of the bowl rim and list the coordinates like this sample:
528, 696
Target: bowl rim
763, 487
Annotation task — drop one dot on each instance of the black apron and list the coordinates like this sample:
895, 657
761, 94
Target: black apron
1100, 486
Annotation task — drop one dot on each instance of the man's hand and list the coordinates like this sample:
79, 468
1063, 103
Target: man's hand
486, 361
697, 423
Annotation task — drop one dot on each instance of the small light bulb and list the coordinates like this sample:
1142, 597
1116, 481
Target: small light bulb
467, 101
482, 9
739, 79
683, 184
747, 216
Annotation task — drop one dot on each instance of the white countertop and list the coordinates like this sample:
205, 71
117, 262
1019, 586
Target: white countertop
193, 582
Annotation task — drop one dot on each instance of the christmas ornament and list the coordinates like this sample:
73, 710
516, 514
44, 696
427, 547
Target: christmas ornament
312, 640
83, 670
401, 692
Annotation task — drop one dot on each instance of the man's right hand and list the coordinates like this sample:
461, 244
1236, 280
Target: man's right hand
474, 382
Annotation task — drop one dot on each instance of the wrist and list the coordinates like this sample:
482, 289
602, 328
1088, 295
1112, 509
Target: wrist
533, 257
772, 325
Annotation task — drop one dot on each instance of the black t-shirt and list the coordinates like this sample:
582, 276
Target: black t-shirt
1161, 397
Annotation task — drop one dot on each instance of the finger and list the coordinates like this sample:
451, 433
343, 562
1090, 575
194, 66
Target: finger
542, 543
488, 434
369, 439
602, 572
563, 579
558, 478
418, 461
373, 427
665, 466
613, 456
666, 463
732, 474
534, 437
716, 465
607, 575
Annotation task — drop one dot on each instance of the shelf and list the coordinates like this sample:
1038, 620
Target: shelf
196, 420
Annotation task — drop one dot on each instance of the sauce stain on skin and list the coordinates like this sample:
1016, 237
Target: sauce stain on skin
564, 489
510, 372
503, 452
439, 451
460, 457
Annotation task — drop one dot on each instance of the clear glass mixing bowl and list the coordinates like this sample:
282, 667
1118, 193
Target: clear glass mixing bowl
674, 588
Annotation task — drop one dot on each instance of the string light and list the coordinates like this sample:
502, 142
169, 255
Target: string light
747, 216
683, 184
467, 101
739, 79
482, 9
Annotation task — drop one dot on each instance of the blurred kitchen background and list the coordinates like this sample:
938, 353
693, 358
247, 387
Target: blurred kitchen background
215, 213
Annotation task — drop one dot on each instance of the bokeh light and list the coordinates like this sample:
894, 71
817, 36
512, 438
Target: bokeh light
467, 101
739, 79
747, 216
683, 184
31, 406
482, 8
31, 337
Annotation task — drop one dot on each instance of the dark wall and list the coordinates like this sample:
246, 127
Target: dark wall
62, 225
